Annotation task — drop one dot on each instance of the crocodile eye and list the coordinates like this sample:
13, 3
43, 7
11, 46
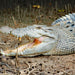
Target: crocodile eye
38, 27
50, 29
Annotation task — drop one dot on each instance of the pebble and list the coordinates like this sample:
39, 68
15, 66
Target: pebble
3, 59
12, 62
61, 73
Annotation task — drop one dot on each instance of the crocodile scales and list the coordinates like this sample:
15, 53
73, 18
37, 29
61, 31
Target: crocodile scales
58, 39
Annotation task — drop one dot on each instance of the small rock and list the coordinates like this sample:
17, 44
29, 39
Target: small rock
61, 73
3, 59
12, 62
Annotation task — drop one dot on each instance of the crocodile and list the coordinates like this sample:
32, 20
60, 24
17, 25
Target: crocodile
57, 39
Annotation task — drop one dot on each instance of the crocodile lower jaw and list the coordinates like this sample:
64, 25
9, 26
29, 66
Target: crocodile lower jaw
19, 50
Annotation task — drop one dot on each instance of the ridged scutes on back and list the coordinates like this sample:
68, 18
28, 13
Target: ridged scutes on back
67, 19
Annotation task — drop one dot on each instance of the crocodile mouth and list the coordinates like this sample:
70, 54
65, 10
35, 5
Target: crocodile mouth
22, 48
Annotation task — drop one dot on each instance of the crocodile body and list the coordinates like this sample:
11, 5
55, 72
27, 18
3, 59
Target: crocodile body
58, 39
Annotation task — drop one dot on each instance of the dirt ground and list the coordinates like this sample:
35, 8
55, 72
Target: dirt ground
39, 65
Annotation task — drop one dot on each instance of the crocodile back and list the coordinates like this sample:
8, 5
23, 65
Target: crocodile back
67, 19
66, 42
67, 22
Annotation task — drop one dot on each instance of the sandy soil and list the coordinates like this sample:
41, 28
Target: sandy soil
39, 65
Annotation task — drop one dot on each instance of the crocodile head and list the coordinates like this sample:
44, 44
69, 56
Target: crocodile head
44, 41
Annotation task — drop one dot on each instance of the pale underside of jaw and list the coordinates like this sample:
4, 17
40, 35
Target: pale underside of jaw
19, 50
